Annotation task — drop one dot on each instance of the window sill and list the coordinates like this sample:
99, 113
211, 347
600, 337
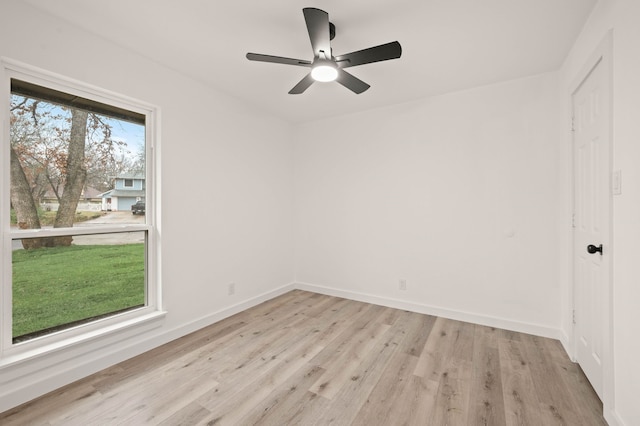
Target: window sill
126, 329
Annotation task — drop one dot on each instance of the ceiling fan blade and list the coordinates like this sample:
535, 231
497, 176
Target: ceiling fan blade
318, 26
277, 59
384, 52
352, 83
302, 85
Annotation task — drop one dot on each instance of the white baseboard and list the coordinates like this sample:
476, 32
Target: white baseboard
104, 359
214, 317
567, 345
610, 414
521, 327
49, 379
612, 418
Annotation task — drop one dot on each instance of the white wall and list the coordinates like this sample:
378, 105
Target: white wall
623, 17
463, 195
457, 194
232, 162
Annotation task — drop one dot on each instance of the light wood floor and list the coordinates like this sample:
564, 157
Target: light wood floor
310, 359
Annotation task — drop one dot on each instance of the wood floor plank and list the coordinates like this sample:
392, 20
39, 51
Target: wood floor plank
390, 387
232, 403
353, 393
390, 316
487, 402
400, 397
157, 408
452, 400
188, 415
522, 406
416, 330
147, 399
236, 380
557, 407
574, 378
42, 410
308, 410
463, 340
343, 331
438, 349
364, 341
287, 402
310, 359
420, 396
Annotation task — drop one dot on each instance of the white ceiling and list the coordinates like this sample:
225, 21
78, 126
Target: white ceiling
447, 45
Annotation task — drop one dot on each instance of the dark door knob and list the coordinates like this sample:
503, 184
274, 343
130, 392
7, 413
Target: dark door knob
593, 249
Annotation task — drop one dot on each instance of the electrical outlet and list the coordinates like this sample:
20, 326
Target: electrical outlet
402, 284
231, 289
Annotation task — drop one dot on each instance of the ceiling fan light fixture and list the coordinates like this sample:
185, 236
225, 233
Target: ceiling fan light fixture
324, 72
325, 67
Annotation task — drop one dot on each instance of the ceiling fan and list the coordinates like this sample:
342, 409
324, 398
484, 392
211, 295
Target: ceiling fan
325, 66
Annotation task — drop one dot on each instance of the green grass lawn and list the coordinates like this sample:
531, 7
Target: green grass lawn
53, 287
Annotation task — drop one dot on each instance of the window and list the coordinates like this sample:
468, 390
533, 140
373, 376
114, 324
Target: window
77, 263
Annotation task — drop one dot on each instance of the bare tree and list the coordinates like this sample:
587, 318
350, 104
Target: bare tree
58, 148
22, 202
76, 175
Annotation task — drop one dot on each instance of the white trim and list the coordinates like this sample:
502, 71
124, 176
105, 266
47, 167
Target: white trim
11, 353
566, 342
613, 419
80, 230
602, 55
73, 363
9, 364
44, 345
489, 321
109, 354
152, 207
66, 84
221, 314
5, 240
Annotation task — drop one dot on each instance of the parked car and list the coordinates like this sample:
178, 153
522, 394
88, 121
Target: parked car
138, 207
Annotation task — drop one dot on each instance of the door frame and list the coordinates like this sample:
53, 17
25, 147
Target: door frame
602, 56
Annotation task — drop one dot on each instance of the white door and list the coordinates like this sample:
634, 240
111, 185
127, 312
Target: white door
591, 221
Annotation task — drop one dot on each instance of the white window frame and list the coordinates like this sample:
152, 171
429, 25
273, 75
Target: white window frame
148, 316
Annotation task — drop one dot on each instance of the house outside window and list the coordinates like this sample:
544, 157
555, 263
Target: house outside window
128, 188
73, 271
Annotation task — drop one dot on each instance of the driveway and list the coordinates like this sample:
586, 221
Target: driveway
111, 218
114, 218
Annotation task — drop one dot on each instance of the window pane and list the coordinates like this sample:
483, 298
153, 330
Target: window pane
71, 165
59, 287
